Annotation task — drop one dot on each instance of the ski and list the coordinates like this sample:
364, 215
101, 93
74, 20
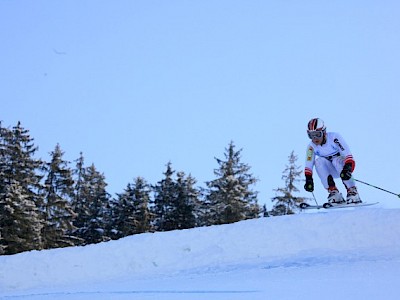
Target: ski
309, 206
330, 206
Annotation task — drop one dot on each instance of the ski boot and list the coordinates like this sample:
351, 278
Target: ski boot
334, 197
352, 196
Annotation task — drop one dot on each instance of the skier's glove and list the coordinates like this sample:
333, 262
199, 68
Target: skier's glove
346, 172
309, 186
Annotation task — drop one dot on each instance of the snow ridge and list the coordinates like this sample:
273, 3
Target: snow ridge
300, 241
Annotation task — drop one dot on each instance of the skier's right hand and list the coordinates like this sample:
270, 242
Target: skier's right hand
309, 186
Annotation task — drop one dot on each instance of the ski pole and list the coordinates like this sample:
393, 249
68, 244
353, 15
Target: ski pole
398, 195
315, 199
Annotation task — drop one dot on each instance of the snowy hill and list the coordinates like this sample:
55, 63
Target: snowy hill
346, 254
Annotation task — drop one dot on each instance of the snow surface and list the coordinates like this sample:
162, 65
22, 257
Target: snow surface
335, 254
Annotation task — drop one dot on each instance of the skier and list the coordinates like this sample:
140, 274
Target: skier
334, 161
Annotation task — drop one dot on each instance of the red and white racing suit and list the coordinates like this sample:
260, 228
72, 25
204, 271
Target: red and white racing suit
333, 154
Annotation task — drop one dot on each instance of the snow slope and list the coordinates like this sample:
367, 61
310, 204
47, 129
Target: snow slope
346, 254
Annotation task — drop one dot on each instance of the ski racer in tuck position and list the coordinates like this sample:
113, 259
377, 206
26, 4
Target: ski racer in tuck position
334, 161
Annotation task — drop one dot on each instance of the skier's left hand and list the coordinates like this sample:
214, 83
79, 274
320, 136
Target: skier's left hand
346, 172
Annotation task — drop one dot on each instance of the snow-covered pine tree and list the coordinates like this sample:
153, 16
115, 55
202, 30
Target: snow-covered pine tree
230, 197
91, 204
175, 201
286, 203
187, 202
165, 195
132, 211
57, 210
79, 204
99, 205
20, 221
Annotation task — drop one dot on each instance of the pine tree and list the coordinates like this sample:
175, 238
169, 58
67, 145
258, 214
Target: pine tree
58, 194
132, 210
98, 199
91, 204
20, 221
79, 204
175, 201
164, 201
184, 214
287, 202
230, 198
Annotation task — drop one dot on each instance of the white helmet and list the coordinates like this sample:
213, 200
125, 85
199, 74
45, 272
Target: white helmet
316, 128
316, 124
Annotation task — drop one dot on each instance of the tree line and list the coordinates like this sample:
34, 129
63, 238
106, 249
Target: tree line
56, 203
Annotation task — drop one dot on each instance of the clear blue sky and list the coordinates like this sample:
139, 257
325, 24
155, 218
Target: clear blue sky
136, 84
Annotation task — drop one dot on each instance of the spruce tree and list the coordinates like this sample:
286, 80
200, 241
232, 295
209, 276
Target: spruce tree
57, 210
230, 197
175, 201
187, 202
91, 204
79, 204
165, 195
286, 202
20, 221
132, 210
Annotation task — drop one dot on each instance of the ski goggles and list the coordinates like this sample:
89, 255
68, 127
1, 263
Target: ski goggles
315, 134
